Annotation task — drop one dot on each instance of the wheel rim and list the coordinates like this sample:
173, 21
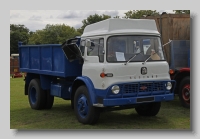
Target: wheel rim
186, 93
33, 95
82, 106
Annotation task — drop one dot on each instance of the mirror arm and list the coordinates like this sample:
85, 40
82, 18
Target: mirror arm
167, 43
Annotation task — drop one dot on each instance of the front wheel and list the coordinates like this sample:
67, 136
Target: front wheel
148, 109
184, 92
85, 112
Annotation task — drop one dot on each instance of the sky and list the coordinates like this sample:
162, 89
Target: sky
38, 19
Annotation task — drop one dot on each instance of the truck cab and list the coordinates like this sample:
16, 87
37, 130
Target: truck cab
123, 65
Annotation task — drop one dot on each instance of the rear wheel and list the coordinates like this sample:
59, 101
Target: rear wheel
49, 100
184, 92
85, 112
148, 109
36, 95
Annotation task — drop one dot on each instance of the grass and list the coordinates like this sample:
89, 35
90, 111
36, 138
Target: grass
171, 116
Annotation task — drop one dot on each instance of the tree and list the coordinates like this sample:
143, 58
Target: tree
137, 14
92, 19
116, 16
182, 11
17, 33
36, 37
53, 34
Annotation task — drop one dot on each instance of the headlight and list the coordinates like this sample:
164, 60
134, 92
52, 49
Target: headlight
115, 89
168, 85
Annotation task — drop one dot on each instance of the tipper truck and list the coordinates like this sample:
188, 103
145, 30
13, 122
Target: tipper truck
115, 64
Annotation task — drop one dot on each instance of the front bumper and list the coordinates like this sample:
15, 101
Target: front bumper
137, 100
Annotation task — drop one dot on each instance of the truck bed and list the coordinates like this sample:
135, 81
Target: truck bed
47, 59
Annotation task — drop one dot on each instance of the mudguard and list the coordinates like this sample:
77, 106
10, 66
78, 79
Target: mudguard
90, 87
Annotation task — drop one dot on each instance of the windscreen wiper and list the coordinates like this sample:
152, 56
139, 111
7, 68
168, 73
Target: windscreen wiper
149, 57
132, 58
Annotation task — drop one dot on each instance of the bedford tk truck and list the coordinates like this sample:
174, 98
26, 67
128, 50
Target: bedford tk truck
115, 64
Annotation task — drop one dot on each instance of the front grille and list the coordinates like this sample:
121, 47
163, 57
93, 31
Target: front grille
158, 86
143, 87
136, 89
130, 88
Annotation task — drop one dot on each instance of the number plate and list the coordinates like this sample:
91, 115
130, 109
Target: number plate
146, 99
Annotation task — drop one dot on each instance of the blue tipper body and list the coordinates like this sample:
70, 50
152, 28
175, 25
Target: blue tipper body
47, 59
49, 62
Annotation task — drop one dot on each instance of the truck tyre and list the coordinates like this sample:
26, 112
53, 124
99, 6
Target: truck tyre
85, 112
72, 104
49, 100
36, 95
184, 92
148, 109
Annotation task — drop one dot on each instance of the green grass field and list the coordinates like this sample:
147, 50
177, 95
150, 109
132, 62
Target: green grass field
171, 116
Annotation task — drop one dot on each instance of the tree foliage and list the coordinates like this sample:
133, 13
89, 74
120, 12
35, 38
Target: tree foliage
137, 14
182, 11
17, 33
53, 34
36, 37
92, 19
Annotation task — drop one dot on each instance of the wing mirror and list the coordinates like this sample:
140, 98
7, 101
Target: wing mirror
88, 43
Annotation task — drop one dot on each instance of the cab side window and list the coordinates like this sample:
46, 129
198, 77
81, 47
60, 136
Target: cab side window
93, 49
101, 50
96, 49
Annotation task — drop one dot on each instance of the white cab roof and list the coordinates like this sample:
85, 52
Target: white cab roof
122, 26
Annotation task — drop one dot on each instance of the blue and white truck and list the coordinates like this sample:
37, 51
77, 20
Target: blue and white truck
115, 64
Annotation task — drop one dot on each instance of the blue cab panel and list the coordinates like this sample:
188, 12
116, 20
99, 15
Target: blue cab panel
47, 59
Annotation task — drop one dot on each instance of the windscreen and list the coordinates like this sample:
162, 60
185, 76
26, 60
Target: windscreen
123, 48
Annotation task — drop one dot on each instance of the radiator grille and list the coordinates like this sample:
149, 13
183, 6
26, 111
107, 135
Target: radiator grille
143, 87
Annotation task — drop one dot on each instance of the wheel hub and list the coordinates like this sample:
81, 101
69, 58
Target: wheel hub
82, 106
186, 93
33, 95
